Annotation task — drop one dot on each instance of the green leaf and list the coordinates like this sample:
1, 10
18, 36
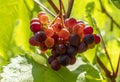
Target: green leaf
116, 3
14, 22
46, 74
90, 72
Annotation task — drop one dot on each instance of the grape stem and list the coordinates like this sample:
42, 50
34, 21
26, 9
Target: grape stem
53, 6
70, 5
111, 18
60, 13
44, 8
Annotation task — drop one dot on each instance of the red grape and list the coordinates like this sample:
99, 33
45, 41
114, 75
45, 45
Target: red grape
72, 60
64, 34
96, 39
49, 32
88, 30
78, 29
44, 19
58, 20
33, 42
57, 27
40, 14
70, 22
49, 42
35, 20
35, 27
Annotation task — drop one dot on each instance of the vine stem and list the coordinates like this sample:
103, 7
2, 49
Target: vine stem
103, 44
105, 11
44, 8
70, 5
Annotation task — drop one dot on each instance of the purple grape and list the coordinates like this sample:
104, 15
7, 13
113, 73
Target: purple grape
89, 39
40, 36
61, 49
55, 65
82, 47
74, 40
64, 60
71, 51
51, 58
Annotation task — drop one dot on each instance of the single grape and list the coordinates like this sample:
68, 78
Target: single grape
72, 60
55, 65
71, 51
74, 40
70, 22
40, 36
88, 30
78, 29
51, 58
96, 39
57, 27
82, 47
64, 60
64, 34
89, 39
33, 42
35, 27
49, 42
58, 20
35, 20
49, 32
40, 14
60, 49
44, 19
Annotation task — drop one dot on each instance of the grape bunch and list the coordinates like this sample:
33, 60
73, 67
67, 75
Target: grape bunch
65, 38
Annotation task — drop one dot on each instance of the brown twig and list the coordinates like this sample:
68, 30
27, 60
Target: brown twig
44, 8
70, 5
63, 8
103, 44
103, 66
53, 6
60, 13
105, 11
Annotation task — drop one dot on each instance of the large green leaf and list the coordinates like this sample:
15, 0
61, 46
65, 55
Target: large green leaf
42, 73
14, 22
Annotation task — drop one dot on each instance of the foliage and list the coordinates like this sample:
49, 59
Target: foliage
15, 33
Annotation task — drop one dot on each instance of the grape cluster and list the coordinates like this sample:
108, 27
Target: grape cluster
65, 39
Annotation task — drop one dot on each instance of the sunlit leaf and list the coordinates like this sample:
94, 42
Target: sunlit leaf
116, 3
